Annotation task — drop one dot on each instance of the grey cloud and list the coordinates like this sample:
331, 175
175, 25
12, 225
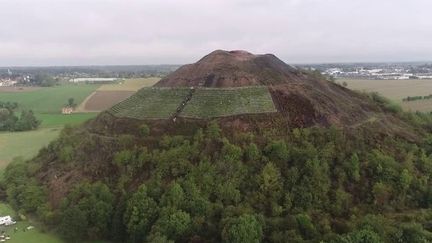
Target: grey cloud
78, 32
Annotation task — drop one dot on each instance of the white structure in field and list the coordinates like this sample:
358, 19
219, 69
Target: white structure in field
6, 220
92, 80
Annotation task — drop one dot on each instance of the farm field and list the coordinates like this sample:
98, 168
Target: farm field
129, 84
161, 103
49, 99
396, 90
108, 95
207, 103
157, 103
102, 100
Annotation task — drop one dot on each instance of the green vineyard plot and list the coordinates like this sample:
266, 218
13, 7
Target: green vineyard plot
150, 103
162, 103
207, 103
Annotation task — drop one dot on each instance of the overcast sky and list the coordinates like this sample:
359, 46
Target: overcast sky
83, 32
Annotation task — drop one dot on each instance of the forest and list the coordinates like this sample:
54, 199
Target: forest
311, 185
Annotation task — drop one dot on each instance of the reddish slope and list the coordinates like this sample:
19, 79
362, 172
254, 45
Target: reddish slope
233, 69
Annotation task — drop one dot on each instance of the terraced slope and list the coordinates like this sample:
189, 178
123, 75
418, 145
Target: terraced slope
207, 103
163, 103
150, 103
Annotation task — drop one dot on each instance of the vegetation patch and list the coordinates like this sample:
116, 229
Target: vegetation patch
161, 103
24, 144
156, 103
207, 102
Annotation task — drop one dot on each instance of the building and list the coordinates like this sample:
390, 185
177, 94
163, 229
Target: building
67, 110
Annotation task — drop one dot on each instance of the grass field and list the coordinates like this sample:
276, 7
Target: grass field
49, 99
226, 102
129, 84
24, 144
59, 120
396, 90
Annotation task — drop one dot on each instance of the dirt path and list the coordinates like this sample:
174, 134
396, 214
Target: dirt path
81, 107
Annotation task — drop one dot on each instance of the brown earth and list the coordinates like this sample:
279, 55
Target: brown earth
102, 100
233, 69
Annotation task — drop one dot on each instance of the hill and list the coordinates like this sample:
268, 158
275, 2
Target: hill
262, 160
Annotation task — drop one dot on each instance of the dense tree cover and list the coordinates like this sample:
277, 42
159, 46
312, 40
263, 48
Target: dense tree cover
10, 122
309, 185
44, 80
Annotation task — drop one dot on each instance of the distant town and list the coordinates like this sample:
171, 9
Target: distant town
378, 71
47, 76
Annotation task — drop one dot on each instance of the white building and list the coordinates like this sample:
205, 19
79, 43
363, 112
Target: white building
92, 80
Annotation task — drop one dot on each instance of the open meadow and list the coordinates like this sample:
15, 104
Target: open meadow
396, 90
49, 99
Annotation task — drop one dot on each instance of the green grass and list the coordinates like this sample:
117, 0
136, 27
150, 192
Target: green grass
24, 144
59, 120
49, 99
29, 236
208, 103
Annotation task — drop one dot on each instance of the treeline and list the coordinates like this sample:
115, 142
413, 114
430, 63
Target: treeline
310, 185
10, 122
413, 98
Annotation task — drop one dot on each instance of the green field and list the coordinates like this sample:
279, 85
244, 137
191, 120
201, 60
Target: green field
133, 84
161, 103
49, 99
59, 120
24, 144
208, 103
396, 90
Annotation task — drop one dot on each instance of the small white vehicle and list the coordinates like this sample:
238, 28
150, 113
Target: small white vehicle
7, 220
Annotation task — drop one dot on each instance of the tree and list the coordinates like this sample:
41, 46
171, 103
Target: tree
144, 130
71, 102
243, 229
173, 223
361, 236
141, 212
73, 224
306, 227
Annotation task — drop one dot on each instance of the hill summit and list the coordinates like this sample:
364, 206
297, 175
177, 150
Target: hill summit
233, 69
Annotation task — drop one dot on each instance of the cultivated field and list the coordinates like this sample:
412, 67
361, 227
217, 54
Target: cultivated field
110, 94
157, 103
396, 90
49, 99
161, 103
129, 84
208, 103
